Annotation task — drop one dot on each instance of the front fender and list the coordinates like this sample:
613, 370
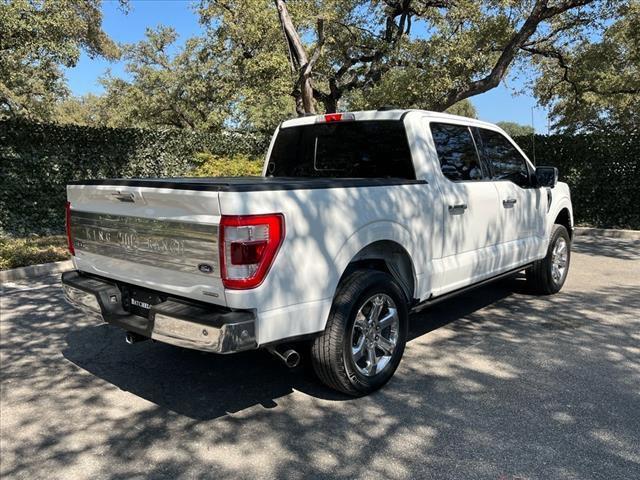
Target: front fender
560, 199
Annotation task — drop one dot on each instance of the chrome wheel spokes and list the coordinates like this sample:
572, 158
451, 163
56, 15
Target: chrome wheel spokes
375, 334
559, 259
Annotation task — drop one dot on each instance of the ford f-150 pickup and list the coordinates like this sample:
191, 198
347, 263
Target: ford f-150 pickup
358, 219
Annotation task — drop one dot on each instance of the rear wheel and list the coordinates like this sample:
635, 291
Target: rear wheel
365, 336
547, 276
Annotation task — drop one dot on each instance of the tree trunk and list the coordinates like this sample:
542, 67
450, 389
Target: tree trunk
297, 95
330, 104
298, 57
330, 100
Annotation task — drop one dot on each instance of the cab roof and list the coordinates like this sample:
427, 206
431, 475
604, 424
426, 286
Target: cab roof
391, 114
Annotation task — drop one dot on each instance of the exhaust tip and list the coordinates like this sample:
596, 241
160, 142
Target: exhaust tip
291, 358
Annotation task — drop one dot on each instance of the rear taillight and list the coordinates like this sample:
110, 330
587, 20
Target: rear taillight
72, 250
248, 246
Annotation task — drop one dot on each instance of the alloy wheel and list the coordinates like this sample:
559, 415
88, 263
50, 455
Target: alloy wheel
374, 335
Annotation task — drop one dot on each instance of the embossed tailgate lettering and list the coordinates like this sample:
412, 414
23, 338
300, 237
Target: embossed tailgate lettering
167, 244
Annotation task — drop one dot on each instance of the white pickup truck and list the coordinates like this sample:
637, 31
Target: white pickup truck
358, 219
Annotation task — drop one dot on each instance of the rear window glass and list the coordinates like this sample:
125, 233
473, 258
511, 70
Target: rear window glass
352, 149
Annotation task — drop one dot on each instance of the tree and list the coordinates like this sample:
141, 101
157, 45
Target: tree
86, 110
261, 61
249, 34
301, 63
192, 89
37, 38
372, 54
595, 85
516, 129
463, 108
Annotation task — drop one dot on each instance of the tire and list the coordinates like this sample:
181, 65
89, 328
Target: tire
543, 277
341, 356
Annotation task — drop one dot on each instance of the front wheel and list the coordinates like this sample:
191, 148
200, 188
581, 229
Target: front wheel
547, 276
365, 336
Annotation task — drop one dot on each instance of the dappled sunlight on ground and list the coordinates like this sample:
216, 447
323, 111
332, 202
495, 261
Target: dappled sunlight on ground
494, 384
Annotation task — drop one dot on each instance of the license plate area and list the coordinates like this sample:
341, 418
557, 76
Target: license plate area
138, 301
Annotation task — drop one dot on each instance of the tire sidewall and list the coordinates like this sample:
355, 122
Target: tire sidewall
380, 283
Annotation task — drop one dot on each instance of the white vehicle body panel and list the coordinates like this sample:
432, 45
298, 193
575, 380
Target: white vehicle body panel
326, 228
321, 240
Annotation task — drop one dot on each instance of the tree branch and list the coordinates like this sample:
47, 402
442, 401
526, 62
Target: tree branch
315, 56
548, 53
578, 89
539, 13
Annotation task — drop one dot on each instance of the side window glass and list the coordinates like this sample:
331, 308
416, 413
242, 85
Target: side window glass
456, 152
506, 162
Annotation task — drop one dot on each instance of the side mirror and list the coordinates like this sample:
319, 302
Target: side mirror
546, 176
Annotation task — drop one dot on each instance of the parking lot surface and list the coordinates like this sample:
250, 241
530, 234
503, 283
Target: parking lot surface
494, 384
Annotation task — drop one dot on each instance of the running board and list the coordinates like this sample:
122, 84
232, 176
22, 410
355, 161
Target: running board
441, 298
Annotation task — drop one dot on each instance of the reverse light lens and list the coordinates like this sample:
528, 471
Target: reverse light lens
72, 250
248, 246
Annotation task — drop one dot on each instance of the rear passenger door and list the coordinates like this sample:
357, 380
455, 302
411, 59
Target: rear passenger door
470, 208
522, 206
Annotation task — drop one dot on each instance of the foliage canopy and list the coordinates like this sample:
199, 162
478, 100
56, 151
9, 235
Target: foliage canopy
411, 53
257, 60
515, 129
595, 85
37, 39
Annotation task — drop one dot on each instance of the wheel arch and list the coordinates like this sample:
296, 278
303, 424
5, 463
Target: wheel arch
563, 217
383, 246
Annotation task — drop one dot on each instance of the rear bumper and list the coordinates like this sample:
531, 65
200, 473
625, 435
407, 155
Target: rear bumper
176, 321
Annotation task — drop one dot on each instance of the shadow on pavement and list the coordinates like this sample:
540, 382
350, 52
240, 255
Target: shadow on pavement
623, 249
204, 386
493, 382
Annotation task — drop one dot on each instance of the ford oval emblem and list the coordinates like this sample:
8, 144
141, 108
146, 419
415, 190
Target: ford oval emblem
205, 268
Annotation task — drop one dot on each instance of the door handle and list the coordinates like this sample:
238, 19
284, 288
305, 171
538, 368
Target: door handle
457, 209
509, 202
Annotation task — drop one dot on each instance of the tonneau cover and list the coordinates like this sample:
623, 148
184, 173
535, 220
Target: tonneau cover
247, 184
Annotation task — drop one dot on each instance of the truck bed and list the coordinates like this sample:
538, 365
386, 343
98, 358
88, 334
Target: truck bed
248, 184
162, 233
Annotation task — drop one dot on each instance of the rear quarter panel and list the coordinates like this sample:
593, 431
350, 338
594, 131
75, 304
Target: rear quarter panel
325, 228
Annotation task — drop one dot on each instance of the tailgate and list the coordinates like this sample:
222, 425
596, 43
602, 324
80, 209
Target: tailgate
161, 238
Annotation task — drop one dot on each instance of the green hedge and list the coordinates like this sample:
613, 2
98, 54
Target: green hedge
602, 170
37, 161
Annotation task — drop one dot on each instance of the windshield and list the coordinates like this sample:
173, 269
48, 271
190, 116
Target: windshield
353, 149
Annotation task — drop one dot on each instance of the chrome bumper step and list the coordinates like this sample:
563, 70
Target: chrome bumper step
174, 321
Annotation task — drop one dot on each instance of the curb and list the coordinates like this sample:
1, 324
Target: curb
607, 232
34, 271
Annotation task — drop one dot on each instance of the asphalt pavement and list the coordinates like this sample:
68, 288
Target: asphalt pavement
495, 384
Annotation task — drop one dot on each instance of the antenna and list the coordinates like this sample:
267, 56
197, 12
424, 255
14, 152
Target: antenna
533, 138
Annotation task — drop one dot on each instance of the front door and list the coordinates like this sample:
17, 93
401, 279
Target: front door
522, 206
